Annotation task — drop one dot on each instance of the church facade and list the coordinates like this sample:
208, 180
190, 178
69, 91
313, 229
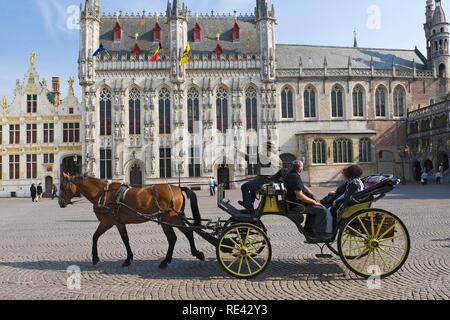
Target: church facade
154, 121
39, 135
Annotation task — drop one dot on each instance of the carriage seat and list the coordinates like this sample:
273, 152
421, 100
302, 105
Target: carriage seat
377, 188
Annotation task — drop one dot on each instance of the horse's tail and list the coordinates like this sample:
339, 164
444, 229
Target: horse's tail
194, 205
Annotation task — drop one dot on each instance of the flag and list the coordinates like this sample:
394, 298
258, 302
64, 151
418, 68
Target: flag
100, 50
185, 57
155, 56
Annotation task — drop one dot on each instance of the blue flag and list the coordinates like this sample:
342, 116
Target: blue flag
100, 50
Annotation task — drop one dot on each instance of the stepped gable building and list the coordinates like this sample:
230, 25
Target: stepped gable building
150, 121
39, 135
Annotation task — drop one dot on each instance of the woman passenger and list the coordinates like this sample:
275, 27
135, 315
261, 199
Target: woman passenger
353, 185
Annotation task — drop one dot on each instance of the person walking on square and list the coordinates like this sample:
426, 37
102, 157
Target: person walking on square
33, 192
424, 178
54, 192
212, 186
39, 192
441, 170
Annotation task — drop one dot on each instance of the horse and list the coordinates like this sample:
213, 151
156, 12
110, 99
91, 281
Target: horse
164, 202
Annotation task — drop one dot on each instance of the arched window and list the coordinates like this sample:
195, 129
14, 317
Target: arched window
251, 109
105, 112
399, 102
442, 71
380, 102
337, 103
319, 152
222, 109
358, 101
287, 160
193, 111
342, 151
134, 111
164, 112
287, 103
365, 151
309, 97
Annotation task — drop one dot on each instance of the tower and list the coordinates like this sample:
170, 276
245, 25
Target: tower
89, 40
177, 19
429, 11
438, 39
265, 26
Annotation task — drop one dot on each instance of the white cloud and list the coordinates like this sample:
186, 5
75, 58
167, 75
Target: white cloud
54, 16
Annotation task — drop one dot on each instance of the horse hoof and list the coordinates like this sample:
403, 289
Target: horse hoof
127, 263
95, 261
200, 256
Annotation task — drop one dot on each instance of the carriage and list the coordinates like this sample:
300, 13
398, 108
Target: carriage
369, 241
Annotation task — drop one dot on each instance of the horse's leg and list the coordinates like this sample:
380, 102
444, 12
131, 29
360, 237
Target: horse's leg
190, 236
124, 235
172, 238
102, 228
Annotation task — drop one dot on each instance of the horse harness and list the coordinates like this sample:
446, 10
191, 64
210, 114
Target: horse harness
117, 204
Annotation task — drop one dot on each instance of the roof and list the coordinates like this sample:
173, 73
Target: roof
210, 26
288, 57
439, 16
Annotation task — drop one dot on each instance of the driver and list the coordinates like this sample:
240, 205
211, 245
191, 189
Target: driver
316, 221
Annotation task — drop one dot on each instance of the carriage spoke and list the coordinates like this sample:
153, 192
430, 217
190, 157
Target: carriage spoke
372, 225
382, 260
240, 265
255, 262
390, 254
240, 238
391, 238
233, 262
350, 250
380, 227
248, 266
230, 238
388, 230
246, 236
357, 232
228, 247
364, 227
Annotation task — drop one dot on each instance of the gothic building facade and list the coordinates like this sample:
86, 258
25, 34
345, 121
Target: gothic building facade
147, 121
39, 135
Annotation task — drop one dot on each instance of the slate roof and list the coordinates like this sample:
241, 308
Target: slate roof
288, 57
210, 26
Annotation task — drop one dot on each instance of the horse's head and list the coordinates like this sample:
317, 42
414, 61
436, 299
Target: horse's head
67, 191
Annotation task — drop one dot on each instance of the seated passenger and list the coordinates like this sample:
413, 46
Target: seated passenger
268, 165
352, 185
299, 193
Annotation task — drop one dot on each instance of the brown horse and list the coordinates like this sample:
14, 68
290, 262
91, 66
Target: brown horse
164, 201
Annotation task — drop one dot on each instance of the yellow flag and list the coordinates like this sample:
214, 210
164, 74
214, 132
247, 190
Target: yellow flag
185, 57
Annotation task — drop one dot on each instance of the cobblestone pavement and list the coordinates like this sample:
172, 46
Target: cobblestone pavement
38, 242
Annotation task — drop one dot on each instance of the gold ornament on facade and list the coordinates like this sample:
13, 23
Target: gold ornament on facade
70, 82
4, 102
33, 59
57, 99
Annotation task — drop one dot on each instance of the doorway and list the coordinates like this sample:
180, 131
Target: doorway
223, 176
417, 171
48, 185
136, 176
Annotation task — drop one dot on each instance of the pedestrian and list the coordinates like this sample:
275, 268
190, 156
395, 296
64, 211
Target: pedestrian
438, 177
54, 192
33, 192
212, 186
424, 178
39, 192
441, 170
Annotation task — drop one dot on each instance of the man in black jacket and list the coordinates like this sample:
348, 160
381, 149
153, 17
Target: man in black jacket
297, 192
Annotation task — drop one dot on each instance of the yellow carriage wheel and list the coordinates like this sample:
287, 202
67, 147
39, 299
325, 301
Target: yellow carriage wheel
244, 251
374, 242
333, 247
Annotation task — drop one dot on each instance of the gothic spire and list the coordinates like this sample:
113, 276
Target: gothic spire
355, 40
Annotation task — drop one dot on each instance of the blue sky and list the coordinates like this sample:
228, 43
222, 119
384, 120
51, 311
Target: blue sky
41, 26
